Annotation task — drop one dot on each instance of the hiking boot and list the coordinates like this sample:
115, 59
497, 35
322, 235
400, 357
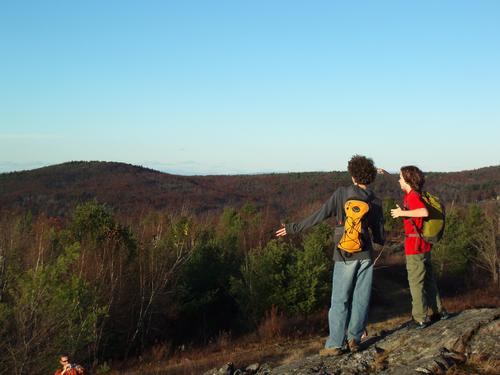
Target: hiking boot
364, 335
418, 325
330, 352
443, 315
353, 346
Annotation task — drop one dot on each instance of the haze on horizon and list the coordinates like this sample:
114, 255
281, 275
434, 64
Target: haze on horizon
235, 87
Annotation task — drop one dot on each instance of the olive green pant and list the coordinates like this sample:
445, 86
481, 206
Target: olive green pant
423, 288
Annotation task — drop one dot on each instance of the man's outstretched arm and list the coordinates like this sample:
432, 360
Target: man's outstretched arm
282, 231
326, 211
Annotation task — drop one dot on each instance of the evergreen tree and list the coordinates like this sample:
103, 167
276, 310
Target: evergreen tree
48, 310
310, 285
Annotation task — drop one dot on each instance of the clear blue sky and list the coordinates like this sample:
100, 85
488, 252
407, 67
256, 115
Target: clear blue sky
223, 87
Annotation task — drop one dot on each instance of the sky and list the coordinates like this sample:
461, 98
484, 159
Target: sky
232, 87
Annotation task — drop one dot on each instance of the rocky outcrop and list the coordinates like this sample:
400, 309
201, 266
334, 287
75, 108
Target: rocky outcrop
253, 369
405, 350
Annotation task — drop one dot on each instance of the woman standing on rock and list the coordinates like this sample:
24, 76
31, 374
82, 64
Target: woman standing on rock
423, 288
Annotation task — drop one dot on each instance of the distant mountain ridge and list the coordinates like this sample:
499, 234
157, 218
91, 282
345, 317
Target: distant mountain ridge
130, 190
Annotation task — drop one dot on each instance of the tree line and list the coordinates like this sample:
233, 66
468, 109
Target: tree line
95, 288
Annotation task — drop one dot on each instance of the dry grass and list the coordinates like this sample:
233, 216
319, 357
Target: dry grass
392, 323
279, 340
479, 298
476, 365
272, 326
199, 361
277, 350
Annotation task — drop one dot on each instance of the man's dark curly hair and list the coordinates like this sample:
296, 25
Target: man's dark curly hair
413, 176
362, 169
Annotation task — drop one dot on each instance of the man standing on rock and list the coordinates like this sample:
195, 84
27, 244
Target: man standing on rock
353, 271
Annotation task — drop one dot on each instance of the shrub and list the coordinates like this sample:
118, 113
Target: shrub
48, 310
309, 286
264, 280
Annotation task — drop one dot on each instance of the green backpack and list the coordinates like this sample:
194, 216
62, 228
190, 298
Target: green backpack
433, 226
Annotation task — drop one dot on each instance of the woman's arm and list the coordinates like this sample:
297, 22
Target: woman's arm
418, 212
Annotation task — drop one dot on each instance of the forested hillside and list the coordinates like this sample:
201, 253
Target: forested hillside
132, 190
109, 261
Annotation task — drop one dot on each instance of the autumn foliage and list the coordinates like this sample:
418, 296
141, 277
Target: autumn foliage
110, 268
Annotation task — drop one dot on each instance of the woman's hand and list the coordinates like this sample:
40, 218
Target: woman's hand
396, 212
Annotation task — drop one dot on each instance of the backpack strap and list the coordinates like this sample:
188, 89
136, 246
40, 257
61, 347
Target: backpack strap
417, 232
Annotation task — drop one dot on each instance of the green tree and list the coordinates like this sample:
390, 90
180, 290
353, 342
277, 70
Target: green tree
450, 254
391, 225
453, 253
309, 286
91, 220
159, 262
264, 280
107, 255
48, 310
203, 297
231, 222
486, 243
25, 223
230, 237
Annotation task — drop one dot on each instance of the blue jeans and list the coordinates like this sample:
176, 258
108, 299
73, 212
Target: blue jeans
352, 284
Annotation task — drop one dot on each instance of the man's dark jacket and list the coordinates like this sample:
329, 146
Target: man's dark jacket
335, 207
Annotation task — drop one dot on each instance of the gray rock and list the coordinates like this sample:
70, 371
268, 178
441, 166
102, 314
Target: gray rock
227, 369
432, 350
264, 369
253, 368
486, 342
